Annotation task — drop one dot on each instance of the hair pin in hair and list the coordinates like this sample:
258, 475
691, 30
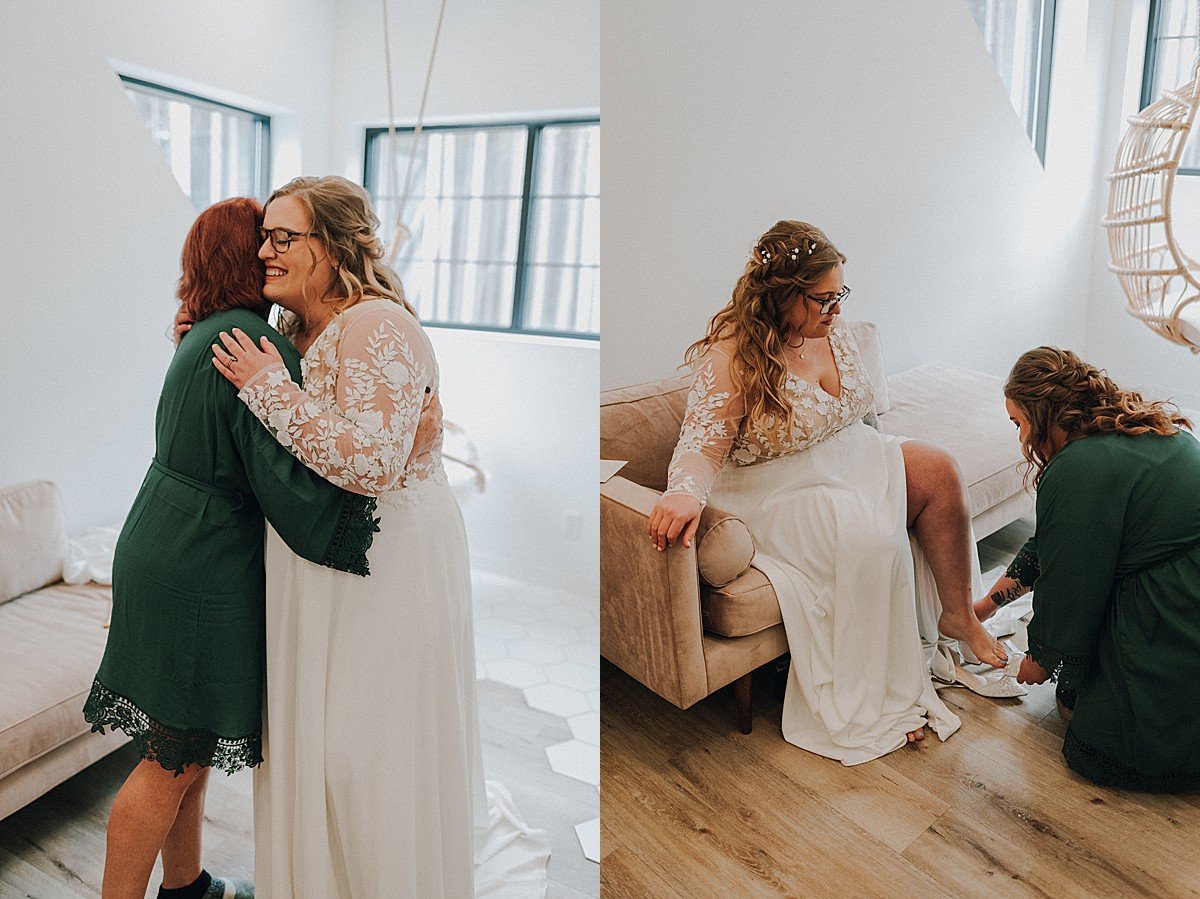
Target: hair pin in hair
793, 253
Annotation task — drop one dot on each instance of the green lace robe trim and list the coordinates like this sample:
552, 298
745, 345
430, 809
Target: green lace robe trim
1102, 769
1024, 569
173, 749
353, 536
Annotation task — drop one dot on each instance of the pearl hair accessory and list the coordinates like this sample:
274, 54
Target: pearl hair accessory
793, 253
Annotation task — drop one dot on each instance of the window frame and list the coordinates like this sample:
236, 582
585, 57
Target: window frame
1034, 111
1150, 63
262, 175
533, 130
1040, 90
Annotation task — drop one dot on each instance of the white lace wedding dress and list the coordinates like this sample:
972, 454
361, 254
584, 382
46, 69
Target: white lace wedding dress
823, 495
372, 784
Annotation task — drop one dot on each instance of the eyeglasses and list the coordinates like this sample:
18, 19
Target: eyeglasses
281, 238
826, 305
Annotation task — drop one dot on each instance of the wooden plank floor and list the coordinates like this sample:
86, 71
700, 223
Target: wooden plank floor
693, 808
54, 847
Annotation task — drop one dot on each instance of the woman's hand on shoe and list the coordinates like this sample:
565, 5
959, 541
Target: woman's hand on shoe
674, 517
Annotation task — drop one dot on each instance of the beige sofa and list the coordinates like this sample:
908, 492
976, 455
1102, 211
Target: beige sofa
687, 622
51, 640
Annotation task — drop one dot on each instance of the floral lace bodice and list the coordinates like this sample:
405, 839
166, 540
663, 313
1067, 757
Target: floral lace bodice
715, 428
368, 418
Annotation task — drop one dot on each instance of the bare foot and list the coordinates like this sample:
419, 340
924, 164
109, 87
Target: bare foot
969, 628
916, 736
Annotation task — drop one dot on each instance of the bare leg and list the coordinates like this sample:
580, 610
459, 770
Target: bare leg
181, 848
142, 815
938, 516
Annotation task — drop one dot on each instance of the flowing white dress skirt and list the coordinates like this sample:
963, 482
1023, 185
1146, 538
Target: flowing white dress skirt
372, 783
829, 526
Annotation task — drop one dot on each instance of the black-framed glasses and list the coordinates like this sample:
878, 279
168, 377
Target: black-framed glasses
826, 305
281, 238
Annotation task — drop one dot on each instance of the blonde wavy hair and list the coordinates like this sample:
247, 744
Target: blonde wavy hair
1055, 387
787, 262
340, 215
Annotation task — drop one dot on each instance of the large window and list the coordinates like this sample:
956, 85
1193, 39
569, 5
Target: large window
1019, 34
214, 150
505, 223
1172, 41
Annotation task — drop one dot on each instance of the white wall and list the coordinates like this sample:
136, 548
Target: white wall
886, 124
82, 343
1133, 354
92, 221
497, 59
528, 403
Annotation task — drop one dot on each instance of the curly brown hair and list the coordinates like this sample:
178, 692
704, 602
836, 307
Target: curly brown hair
786, 263
1054, 387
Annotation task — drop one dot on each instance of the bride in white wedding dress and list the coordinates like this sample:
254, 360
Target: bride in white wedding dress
372, 784
774, 432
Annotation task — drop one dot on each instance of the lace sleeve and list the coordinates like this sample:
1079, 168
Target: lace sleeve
385, 370
1024, 568
714, 410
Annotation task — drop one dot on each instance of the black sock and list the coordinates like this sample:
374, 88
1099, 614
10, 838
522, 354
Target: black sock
194, 890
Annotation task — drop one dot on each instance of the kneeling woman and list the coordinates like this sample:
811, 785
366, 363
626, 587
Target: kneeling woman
1115, 564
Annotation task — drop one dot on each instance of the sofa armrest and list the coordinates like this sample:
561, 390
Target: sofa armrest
649, 600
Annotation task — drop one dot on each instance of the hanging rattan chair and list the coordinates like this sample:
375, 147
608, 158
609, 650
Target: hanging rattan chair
1161, 282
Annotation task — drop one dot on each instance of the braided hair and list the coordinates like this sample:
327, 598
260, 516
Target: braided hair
1055, 387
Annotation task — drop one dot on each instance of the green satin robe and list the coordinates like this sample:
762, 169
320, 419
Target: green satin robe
183, 671
1117, 605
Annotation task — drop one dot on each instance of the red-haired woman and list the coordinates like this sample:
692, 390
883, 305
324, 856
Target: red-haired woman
182, 673
1115, 568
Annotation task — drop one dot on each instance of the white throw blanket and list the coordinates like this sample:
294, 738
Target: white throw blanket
90, 557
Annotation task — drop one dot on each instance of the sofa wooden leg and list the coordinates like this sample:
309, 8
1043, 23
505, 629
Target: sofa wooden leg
741, 695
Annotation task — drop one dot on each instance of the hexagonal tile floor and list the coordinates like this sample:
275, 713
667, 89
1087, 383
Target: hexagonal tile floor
546, 643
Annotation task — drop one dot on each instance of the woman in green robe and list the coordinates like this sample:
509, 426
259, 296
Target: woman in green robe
183, 670
1115, 568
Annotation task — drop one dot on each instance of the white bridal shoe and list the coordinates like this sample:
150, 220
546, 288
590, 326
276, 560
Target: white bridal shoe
949, 669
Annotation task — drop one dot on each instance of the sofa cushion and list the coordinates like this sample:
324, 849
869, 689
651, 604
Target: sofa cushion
724, 548
961, 411
53, 642
866, 338
33, 538
641, 424
744, 606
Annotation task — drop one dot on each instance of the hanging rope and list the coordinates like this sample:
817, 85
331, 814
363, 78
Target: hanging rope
402, 232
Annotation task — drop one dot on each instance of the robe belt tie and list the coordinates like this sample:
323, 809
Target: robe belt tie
231, 495
1191, 547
